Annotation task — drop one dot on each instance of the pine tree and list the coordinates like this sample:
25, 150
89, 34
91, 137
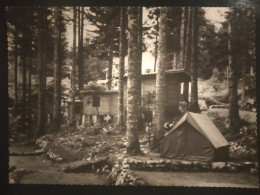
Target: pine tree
186, 57
15, 65
105, 44
41, 72
80, 47
73, 74
182, 39
194, 62
121, 68
232, 87
139, 63
160, 78
57, 72
133, 145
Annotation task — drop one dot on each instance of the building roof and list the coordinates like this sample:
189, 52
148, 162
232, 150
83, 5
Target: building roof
203, 124
91, 92
180, 75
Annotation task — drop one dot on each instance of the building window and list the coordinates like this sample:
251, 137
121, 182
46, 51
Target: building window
78, 107
96, 101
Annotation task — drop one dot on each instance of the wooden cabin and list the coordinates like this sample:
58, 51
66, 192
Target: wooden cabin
96, 105
148, 86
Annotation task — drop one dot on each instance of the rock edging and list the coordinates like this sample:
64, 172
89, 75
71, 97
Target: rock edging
122, 175
184, 165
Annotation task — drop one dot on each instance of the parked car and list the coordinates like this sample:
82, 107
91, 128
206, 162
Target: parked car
218, 107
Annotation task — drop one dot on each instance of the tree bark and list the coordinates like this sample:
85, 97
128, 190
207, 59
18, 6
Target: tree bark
181, 51
79, 23
243, 32
186, 18
44, 53
177, 42
194, 63
133, 145
243, 78
156, 44
15, 66
232, 85
81, 57
24, 113
186, 91
41, 94
30, 130
187, 46
121, 68
80, 46
160, 78
56, 75
139, 65
110, 61
24, 56
188, 40
73, 75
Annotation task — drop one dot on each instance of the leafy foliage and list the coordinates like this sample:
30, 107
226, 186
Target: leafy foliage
106, 22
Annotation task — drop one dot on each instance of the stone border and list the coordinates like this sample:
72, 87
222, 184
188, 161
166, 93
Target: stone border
184, 165
122, 175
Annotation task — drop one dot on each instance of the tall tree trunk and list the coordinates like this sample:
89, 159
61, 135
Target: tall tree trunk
24, 113
41, 91
24, 54
156, 44
80, 54
160, 79
243, 77
186, 18
181, 50
186, 57
30, 130
57, 75
186, 91
79, 23
194, 63
139, 65
30, 99
80, 46
73, 75
15, 66
232, 85
44, 59
82, 25
177, 42
133, 145
110, 61
121, 68
44, 53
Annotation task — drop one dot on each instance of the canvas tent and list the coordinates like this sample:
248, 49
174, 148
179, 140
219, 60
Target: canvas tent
195, 137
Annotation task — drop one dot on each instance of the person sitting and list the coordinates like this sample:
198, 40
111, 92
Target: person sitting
167, 126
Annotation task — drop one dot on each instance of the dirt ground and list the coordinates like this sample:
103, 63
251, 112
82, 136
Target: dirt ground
39, 170
94, 142
208, 179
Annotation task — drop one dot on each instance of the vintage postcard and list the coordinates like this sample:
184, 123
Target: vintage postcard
132, 96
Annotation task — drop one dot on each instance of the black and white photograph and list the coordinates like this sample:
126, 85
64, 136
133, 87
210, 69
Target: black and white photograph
132, 96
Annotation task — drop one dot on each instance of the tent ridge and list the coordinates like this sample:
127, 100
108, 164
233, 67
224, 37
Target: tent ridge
195, 137
217, 141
